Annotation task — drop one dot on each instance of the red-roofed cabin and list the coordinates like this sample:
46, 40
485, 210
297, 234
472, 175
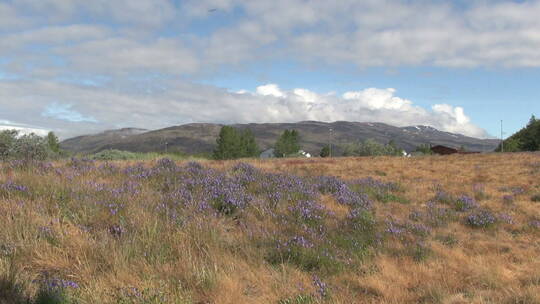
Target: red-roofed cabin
443, 150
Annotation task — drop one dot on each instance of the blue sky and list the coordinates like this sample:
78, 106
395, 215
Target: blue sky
79, 67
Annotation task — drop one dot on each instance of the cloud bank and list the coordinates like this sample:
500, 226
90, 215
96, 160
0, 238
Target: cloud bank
178, 103
90, 57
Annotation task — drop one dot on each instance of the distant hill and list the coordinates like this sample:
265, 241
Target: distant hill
526, 139
201, 137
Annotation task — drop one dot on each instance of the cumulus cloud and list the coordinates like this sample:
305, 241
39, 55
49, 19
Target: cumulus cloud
22, 128
144, 56
164, 37
383, 33
185, 102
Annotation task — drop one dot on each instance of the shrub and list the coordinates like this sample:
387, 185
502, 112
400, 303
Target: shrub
444, 197
465, 203
305, 255
113, 154
508, 199
420, 251
299, 299
448, 240
481, 219
30, 147
371, 148
479, 192
438, 216
325, 151
54, 291
7, 139
424, 149
535, 198
133, 295
11, 290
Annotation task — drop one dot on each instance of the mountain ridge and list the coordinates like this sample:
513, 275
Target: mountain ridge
194, 138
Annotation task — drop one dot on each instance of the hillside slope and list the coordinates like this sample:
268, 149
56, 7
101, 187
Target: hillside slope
201, 137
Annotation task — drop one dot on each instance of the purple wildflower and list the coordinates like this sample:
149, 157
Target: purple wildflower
481, 219
320, 286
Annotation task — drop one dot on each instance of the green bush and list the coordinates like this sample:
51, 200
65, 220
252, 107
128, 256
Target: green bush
370, 147
424, 149
7, 140
325, 151
526, 139
28, 147
299, 299
113, 154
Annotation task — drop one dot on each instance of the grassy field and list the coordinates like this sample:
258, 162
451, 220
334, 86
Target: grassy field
453, 229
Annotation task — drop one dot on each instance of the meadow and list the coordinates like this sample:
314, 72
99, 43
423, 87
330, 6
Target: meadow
433, 229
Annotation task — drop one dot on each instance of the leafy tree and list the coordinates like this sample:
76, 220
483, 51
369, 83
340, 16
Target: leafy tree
512, 145
287, 143
53, 142
526, 139
325, 151
232, 144
7, 140
532, 120
30, 147
424, 148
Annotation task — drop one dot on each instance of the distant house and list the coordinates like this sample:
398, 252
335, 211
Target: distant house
443, 150
267, 153
270, 154
304, 153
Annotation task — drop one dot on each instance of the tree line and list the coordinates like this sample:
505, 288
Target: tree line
233, 143
526, 139
28, 147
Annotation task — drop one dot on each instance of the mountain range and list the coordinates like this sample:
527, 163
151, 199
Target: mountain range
197, 138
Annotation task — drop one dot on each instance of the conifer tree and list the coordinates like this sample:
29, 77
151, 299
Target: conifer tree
232, 144
325, 151
52, 142
248, 144
228, 144
287, 143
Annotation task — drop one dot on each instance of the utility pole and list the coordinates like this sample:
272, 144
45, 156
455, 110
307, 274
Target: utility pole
502, 140
330, 142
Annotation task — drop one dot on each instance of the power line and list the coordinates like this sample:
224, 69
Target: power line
502, 140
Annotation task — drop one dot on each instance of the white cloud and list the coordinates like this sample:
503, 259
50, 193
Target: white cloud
127, 43
372, 104
9, 19
143, 13
270, 90
390, 33
52, 35
123, 55
23, 129
363, 33
185, 102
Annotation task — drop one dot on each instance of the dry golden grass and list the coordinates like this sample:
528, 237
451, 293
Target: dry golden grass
215, 259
